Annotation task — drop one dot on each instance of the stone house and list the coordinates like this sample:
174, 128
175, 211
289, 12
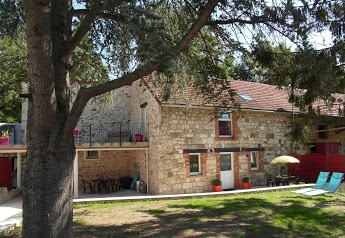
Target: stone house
188, 142
181, 145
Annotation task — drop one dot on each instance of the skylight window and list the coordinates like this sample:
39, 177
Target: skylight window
245, 97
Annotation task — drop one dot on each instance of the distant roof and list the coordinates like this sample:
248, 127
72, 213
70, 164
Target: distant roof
250, 96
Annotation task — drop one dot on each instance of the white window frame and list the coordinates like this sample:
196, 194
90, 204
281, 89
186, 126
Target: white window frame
199, 164
226, 119
257, 160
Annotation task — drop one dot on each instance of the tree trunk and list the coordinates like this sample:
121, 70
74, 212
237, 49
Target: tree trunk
47, 190
47, 196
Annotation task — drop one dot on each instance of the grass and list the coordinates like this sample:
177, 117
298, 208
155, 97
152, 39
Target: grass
264, 214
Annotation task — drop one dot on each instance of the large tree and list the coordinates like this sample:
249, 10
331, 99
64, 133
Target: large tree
136, 38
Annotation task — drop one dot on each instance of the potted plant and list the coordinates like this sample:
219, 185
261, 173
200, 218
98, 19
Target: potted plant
5, 137
217, 185
139, 137
246, 183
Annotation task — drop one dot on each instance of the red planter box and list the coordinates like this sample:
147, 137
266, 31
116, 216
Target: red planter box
139, 138
4, 141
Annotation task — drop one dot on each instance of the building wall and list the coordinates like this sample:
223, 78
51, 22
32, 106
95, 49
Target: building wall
142, 96
189, 128
117, 111
172, 130
332, 135
111, 164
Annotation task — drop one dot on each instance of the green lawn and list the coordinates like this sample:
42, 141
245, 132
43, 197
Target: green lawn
261, 214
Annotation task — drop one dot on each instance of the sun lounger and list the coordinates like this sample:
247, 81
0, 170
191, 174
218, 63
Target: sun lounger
303, 190
320, 182
332, 186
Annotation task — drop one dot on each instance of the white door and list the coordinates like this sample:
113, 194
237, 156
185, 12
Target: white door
226, 170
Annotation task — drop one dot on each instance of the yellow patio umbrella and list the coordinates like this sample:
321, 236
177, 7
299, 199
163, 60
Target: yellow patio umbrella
284, 159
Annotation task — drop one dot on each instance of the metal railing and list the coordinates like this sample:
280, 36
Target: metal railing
111, 133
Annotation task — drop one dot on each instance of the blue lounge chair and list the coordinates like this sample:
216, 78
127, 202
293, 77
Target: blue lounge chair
332, 186
320, 183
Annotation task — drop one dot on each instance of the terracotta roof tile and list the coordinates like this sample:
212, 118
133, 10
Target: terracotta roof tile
264, 98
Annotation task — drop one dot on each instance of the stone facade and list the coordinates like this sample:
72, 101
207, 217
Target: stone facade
117, 111
131, 104
154, 120
175, 132
188, 129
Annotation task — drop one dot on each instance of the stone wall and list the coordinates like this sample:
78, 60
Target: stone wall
153, 118
111, 164
192, 128
118, 111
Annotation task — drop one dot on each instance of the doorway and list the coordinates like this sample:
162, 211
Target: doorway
227, 170
143, 121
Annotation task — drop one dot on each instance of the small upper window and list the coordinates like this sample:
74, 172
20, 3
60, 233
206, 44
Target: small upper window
322, 131
225, 124
194, 164
254, 160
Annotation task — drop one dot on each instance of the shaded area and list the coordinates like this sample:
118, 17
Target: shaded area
274, 214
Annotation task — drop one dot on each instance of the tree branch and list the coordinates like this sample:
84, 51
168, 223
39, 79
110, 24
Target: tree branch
252, 21
85, 94
83, 29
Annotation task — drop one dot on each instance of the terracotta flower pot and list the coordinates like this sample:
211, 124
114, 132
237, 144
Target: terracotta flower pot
217, 188
246, 185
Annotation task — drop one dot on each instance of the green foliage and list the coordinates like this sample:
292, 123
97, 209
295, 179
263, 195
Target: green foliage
13, 70
299, 133
86, 69
5, 134
10, 17
310, 74
246, 180
86, 66
217, 182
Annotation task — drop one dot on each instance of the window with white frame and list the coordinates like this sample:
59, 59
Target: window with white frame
225, 124
194, 164
254, 160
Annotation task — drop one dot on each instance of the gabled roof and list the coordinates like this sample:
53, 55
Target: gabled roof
250, 96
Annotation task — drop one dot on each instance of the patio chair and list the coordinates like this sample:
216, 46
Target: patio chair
320, 183
297, 180
115, 185
332, 185
103, 184
87, 184
284, 180
269, 180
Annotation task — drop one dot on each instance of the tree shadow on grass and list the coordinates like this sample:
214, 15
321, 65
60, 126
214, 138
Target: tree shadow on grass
239, 217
